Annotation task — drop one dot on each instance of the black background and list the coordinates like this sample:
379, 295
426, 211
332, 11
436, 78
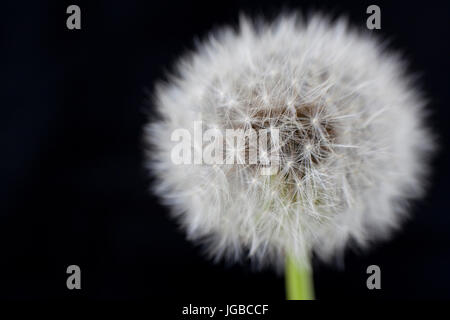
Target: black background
73, 189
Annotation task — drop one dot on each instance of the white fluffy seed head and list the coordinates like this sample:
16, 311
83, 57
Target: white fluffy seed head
352, 149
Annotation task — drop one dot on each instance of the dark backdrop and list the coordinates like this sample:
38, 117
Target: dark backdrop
73, 189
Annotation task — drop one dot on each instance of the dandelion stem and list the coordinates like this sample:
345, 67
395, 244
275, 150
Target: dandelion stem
299, 281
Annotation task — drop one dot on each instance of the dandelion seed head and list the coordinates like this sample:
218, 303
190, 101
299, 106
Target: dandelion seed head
353, 143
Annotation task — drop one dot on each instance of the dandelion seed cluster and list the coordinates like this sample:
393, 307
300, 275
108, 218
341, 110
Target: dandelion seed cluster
353, 145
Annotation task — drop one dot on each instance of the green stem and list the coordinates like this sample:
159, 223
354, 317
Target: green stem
299, 282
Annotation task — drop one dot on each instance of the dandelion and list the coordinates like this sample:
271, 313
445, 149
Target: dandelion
352, 145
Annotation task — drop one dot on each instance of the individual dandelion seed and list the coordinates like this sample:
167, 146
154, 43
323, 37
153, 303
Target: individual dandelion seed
352, 146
